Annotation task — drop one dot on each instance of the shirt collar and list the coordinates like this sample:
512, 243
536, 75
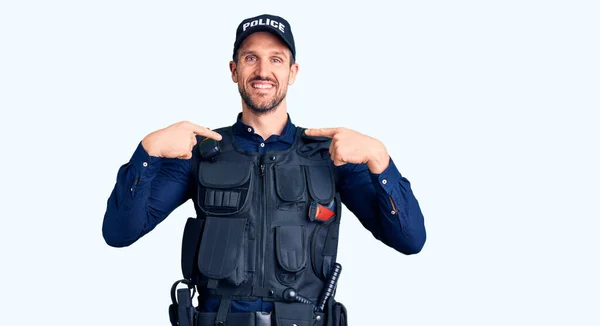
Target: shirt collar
246, 131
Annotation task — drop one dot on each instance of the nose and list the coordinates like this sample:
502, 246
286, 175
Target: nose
263, 70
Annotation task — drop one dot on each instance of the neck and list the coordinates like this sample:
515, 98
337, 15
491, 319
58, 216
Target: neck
265, 125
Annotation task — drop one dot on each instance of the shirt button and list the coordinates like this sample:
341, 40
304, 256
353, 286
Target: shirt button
384, 181
145, 164
393, 212
249, 129
262, 144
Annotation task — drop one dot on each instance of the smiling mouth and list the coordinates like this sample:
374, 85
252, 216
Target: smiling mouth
262, 86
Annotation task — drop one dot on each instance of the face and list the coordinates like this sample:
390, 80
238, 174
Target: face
263, 72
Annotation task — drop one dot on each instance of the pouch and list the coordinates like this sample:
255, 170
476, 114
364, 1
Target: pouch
290, 246
221, 254
336, 313
295, 313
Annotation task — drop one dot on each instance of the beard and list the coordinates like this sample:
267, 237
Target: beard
266, 105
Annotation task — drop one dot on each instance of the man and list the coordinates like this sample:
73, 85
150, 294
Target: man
267, 194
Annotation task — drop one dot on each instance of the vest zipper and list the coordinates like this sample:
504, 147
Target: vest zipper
264, 218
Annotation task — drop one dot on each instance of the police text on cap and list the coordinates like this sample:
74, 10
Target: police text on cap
259, 22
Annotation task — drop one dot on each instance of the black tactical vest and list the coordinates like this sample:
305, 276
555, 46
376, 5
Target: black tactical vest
265, 222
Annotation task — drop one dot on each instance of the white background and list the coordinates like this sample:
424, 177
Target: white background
489, 108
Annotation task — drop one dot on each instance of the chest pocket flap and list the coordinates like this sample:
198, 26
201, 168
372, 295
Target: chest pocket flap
224, 186
224, 174
321, 183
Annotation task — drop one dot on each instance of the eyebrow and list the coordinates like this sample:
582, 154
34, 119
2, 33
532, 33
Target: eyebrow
280, 53
245, 52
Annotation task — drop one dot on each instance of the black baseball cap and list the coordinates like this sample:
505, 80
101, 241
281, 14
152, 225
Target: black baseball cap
265, 23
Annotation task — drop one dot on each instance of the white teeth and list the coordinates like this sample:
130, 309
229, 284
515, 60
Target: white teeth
263, 86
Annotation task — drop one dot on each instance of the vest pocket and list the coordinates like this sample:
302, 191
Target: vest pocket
321, 184
324, 243
289, 182
290, 243
222, 253
317, 245
224, 187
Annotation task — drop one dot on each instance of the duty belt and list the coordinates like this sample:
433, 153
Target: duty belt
294, 310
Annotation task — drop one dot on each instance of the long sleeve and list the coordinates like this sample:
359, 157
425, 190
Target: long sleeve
385, 205
147, 190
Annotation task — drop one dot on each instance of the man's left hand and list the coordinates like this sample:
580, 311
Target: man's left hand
349, 146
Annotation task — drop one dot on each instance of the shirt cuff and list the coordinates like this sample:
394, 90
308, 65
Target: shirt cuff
386, 180
143, 163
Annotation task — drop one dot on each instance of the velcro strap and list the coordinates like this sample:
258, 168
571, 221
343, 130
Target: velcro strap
223, 310
212, 283
262, 292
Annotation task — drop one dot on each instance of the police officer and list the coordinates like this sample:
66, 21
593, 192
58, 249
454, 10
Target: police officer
268, 216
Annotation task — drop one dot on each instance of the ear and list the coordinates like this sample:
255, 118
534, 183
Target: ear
293, 72
233, 69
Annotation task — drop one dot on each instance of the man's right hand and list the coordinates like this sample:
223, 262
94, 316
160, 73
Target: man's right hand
176, 140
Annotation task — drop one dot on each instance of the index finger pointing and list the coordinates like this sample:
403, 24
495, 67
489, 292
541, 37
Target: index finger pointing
322, 132
203, 131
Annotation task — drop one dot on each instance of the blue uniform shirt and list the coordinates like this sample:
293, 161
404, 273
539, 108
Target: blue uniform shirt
149, 188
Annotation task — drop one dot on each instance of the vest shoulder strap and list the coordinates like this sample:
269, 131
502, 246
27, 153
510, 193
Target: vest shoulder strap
226, 144
314, 147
